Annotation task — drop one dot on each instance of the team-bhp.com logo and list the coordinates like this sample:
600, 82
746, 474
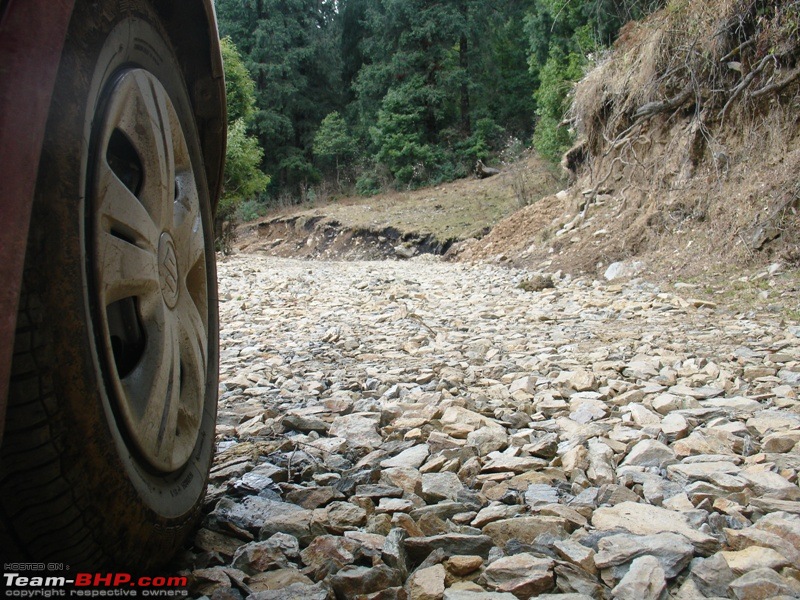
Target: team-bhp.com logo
28, 583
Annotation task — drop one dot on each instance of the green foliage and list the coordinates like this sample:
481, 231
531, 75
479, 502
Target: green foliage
332, 138
503, 83
399, 133
449, 167
368, 185
250, 210
560, 40
440, 84
240, 88
420, 88
551, 139
579, 26
243, 177
412, 53
486, 138
295, 166
333, 143
563, 34
292, 48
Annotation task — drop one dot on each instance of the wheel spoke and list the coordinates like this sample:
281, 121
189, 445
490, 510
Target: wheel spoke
154, 388
188, 231
194, 364
140, 112
119, 210
168, 415
194, 340
146, 387
125, 269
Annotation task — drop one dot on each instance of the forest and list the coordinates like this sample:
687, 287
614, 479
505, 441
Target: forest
328, 97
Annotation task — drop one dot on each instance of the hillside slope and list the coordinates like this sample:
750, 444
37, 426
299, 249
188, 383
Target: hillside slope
427, 220
689, 151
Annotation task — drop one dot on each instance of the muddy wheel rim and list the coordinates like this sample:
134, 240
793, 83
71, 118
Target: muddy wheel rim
149, 266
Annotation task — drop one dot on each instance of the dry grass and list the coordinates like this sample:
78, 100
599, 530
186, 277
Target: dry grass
713, 58
453, 211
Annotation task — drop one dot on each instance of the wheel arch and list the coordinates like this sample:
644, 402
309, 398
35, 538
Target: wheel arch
199, 56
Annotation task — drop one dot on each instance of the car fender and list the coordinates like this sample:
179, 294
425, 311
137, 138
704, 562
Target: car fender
29, 57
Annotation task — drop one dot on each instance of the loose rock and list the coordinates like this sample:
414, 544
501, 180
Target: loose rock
417, 429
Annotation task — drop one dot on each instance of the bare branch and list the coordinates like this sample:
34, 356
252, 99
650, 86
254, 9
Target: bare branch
737, 50
652, 108
777, 86
745, 83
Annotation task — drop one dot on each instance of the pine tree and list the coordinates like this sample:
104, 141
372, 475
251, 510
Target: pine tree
292, 50
410, 86
333, 142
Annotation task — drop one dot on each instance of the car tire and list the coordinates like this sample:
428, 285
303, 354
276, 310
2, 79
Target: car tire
112, 404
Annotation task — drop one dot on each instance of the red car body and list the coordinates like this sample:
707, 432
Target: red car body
32, 34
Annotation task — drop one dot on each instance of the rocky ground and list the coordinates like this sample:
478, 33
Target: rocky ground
428, 430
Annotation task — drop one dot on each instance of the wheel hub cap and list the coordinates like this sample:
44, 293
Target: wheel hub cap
147, 254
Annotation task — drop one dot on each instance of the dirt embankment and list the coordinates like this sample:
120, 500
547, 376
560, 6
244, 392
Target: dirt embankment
323, 237
689, 151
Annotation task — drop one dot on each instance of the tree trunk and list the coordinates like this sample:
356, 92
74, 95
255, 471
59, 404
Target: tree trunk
463, 62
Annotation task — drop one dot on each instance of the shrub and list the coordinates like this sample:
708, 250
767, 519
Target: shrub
250, 210
368, 185
558, 76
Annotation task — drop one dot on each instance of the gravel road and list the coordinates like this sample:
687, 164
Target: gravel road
427, 430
